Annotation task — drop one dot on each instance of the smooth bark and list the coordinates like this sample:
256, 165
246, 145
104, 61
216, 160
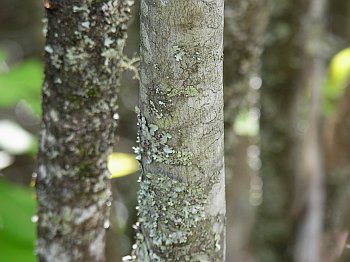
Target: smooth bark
83, 52
310, 228
181, 200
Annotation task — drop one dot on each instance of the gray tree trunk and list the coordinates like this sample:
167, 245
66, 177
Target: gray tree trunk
84, 47
245, 24
181, 200
286, 68
310, 228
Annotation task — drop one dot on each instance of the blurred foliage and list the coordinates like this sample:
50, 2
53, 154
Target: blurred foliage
15, 140
17, 232
22, 82
247, 123
337, 80
122, 164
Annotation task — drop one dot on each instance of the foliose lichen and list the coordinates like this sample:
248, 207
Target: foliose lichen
154, 145
171, 213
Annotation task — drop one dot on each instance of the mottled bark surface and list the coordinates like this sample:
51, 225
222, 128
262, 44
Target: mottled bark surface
83, 53
284, 71
181, 200
245, 23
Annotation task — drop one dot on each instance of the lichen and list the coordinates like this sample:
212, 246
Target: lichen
187, 91
178, 215
154, 145
83, 55
178, 53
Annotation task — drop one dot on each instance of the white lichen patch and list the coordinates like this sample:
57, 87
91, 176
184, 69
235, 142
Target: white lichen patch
89, 41
44, 31
86, 24
54, 115
82, 8
55, 60
84, 214
108, 41
97, 248
58, 80
42, 171
178, 52
110, 54
154, 145
58, 252
155, 110
75, 58
49, 49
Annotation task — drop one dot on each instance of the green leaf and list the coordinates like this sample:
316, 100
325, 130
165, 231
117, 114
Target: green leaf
17, 232
122, 164
23, 81
337, 80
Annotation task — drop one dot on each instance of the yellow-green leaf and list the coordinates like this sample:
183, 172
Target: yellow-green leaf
337, 79
122, 164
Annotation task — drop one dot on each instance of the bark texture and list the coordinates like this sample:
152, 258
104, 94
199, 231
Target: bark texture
286, 67
83, 56
181, 199
245, 24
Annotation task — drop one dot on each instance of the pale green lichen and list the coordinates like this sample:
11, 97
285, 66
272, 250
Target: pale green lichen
187, 91
157, 112
154, 145
79, 90
178, 52
178, 215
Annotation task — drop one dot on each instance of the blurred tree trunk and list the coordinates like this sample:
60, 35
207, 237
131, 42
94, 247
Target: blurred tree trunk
310, 183
245, 23
285, 69
83, 57
181, 199
339, 22
336, 143
338, 171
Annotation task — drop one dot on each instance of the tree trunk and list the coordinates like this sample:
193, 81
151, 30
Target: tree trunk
245, 24
181, 199
310, 228
339, 22
338, 171
285, 81
84, 47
